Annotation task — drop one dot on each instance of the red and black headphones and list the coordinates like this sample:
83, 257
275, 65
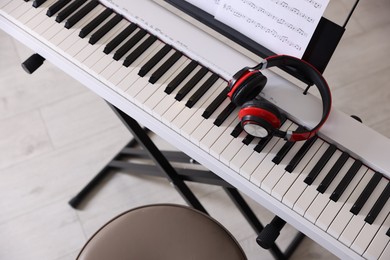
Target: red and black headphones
260, 118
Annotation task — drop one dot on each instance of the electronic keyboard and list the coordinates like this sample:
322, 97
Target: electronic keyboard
171, 76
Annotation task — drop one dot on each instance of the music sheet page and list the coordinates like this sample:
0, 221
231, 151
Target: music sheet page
282, 26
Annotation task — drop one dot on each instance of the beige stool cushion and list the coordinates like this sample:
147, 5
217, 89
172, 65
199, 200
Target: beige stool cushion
162, 231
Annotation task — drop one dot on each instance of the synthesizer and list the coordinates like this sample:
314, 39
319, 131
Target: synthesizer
171, 76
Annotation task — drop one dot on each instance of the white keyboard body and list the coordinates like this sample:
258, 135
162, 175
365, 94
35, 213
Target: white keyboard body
349, 135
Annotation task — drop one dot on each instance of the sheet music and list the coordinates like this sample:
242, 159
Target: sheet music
283, 26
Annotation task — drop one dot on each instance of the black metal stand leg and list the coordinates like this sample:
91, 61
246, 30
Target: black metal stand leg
159, 159
252, 219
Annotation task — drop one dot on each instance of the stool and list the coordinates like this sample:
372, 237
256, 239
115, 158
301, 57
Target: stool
162, 231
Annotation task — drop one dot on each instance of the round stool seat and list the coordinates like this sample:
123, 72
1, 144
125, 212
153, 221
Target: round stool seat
162, 231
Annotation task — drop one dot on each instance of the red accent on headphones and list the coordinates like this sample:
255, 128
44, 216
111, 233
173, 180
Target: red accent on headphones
238, 82
261, 113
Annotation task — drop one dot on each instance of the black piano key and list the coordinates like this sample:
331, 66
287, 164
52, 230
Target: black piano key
388, 232
320, 164
105, 29
139, 50
54, 8
248, 139
38, 3
130, 43
180, 77
191, 84
95, 23
262, 143
333, 172
69, 10
165, 67
285, 149
210, 109
346, 181
202, 90
119, 38
237, 130
154, 60
224, 114
300, 154
363, 197
80, 14
379, 204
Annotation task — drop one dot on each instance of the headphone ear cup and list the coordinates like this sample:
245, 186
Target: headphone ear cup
259, 118
249, 89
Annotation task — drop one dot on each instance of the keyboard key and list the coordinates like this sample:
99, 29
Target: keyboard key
363, 197
105, 29
130, 43
38, 3
69, 10
53, 9
202, 90
346, 180
333, 172
300, 154
95, 23
215, 104
165, 67
80, 14
379, 204
154, 60
119, 38
180, 77
320, 164
224, 114
191, 84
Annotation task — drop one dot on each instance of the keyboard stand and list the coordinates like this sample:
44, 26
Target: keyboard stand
176, 176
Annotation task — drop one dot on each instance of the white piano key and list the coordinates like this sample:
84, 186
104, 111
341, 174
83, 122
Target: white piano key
278, 170
256, 158
357, 222
67, 43
122, 76
143, 82
289, 178
20, 10
299, 186
98, 47
266, 165
386, 253
242, 156
170, 100
209, 139
344, 216
187, 114
368, 231
33, 12
379, 242
333, 208
224, 139
12, 5
146, 93
157, 96
206, 125
233, 148
322, 199
310, 193
4, 3
190, 126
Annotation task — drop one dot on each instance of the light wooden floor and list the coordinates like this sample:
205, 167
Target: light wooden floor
55, 135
